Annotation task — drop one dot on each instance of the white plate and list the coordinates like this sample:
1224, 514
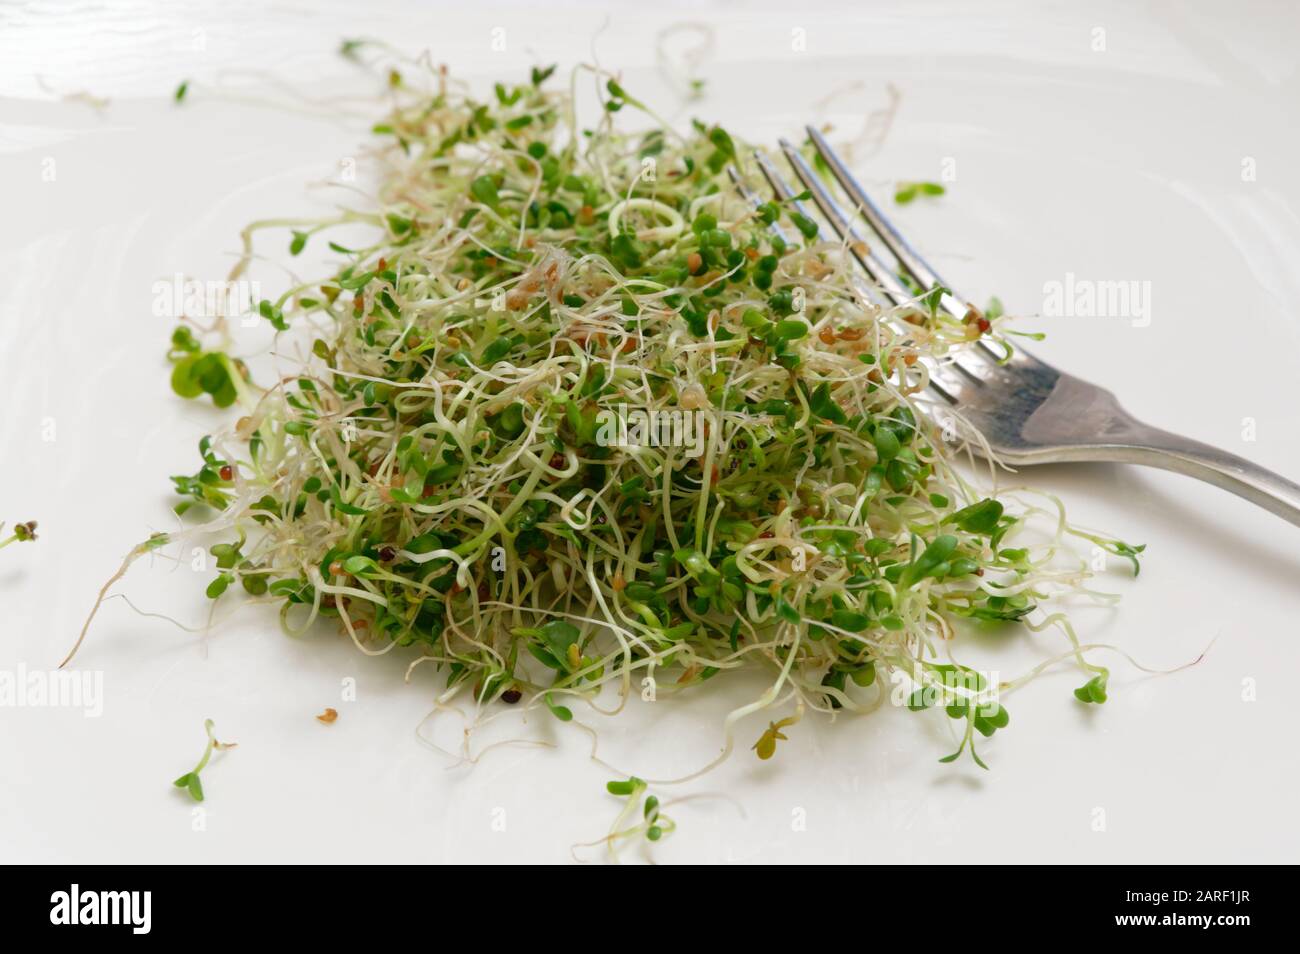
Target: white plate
1120, 163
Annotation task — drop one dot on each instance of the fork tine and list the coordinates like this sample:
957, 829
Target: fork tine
877, 270
947, 386
754, 199
898, 246
907, 256
783, 190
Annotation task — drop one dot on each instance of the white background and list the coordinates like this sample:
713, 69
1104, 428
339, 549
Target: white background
1117, 163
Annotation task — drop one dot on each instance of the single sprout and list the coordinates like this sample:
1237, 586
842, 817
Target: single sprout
905, 192
652, 824
766, 744
350, 48
22, 533
190, 780
181, 90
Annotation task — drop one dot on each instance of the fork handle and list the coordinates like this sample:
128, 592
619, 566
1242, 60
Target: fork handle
1182, 455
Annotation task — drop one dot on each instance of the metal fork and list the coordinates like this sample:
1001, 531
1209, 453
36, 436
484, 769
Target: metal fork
1027, 410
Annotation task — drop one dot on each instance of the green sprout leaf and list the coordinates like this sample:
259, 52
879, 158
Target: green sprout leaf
484, 189
906, 192
1094, 690
563, 713
981, 517
766, 744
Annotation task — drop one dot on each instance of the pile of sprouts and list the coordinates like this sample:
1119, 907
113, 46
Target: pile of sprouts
471, 465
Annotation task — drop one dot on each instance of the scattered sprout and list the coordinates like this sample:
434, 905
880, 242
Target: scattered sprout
766, 744
350, 48
1115, 547
190, 780
905, 192
196, 371
638, 818
22, 533
1094, 690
